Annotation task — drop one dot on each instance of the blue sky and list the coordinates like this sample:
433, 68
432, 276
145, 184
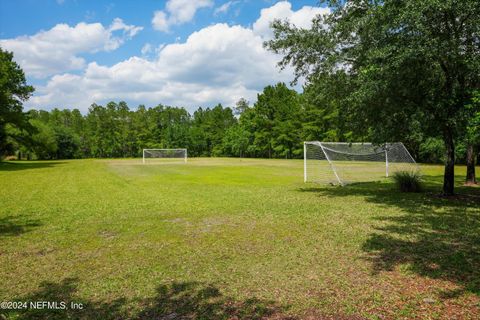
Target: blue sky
176, 52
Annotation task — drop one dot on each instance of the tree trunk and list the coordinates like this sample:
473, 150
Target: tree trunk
471, 179
449, 175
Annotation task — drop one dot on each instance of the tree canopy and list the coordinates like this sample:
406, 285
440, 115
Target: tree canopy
412, 66
13, 92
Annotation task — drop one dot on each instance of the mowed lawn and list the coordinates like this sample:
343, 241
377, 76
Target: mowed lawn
233, 239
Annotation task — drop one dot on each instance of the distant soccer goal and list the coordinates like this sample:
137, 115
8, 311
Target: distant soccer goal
344, 163
164, 155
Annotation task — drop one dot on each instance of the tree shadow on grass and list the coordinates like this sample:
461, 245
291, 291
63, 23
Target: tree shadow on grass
20, 165
176, 300
193, 300
435, 237
16, 225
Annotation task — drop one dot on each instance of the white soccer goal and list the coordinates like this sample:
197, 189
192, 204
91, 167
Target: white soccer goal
164, 155
343, 163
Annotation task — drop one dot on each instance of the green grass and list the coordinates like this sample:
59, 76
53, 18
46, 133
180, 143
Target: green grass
232, 238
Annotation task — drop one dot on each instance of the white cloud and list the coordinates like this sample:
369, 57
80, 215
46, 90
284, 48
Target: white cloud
216, 64
146, 49
128, 30
58, 49
177, 12
219, 63
224, 7
160, 21
182, 11
283, 10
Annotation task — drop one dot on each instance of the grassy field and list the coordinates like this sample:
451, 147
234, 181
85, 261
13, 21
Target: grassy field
232, 238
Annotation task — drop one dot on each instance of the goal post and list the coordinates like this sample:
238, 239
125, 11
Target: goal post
342, 162
164, 155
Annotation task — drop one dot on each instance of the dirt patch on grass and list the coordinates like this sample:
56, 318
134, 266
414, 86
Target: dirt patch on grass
392, 295
419, 298
472, 184
177, 221
315, 315
205, 225
211, 223
107, 234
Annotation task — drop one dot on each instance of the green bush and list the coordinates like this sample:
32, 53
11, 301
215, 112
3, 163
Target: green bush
408, 181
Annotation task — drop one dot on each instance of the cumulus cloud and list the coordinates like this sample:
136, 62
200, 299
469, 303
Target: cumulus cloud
58, 49
217, 64
283, 11
177, 12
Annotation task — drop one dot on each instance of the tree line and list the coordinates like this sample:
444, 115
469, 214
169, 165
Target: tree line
374, 71
275, 126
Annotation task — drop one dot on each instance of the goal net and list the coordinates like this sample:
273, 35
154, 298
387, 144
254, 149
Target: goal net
343, 163
164, 155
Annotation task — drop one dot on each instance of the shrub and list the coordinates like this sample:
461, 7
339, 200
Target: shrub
408, 181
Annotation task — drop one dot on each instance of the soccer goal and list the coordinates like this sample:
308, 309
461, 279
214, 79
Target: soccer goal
343, 163
164, 155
